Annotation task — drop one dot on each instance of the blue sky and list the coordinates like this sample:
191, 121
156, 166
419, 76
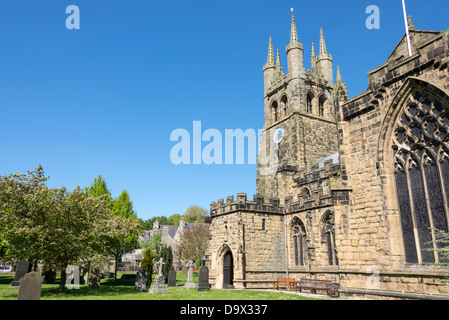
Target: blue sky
104, 99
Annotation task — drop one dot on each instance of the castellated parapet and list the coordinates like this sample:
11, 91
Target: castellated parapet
259, 204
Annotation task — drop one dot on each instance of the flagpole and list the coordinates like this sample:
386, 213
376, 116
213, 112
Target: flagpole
406, 29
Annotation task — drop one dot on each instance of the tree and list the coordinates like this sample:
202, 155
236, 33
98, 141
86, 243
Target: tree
24, 204
123, 206
442, 239
128, 228
195, 214
167, 257
56, 226
147, 264
99, 188
173, 220
193, 243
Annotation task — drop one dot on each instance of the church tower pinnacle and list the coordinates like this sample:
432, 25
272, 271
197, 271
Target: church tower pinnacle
324, 62
269, 69
295, 53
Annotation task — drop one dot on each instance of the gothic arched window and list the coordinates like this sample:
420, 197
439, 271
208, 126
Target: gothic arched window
321, 105
310, 102
299, 242
274, 112
284, 105
329, 238
421, 171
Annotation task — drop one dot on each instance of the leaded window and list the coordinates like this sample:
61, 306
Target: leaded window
299, 243
329, 239
421, 170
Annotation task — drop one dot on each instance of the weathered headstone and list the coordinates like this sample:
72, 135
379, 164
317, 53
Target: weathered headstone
172, 278
49, 276
141, 280
30, 287
190, 284
203, 280
184, 271
159, 285
94, 278
23, 267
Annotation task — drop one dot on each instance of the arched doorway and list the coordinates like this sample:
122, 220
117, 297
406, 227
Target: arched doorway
228, 270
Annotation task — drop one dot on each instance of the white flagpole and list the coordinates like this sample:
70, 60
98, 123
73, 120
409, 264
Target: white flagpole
406, 29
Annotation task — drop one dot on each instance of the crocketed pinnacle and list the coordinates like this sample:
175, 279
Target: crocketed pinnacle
293, 32
278, 59
270, 58
323, 49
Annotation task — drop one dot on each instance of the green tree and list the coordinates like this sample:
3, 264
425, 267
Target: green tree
147, 264
24, 205
195, 214
128, 229
173, 220
193, 243
99, 188
123, 206
167, 257
56, 226
146, 224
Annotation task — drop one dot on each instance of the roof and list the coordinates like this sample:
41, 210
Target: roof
335, 159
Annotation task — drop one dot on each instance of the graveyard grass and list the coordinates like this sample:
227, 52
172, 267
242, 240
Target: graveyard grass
123, 289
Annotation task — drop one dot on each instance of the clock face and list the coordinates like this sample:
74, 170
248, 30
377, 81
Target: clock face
278, 135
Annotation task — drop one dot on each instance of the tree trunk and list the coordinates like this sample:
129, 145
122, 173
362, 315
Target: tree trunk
115, 271
63, 278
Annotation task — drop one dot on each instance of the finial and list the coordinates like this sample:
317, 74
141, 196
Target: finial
278, 59
293, 32
270, 58
339, 80
410, 24
313, 50
323, 49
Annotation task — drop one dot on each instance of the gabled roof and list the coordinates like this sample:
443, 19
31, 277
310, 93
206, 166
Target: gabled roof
417, 38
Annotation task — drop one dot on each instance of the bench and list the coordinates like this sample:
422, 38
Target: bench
284, 282
313, 285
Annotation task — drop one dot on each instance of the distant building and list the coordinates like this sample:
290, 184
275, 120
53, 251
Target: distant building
171, 236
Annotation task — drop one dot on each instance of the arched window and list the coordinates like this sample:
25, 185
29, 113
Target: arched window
421, 171
328, 233
284, 105
310, 101
299, 242
305, 193
274, 112
322, 102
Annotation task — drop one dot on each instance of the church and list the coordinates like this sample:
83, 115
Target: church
351, 190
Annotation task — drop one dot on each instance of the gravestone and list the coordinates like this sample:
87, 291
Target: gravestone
23, 267
30, 287
203, 281
49, 276
141, 280
172, 278
94, 278
184, 271
159, 285
190, 284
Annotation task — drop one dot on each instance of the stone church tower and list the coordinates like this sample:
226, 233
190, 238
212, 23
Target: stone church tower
300, 122
350, 190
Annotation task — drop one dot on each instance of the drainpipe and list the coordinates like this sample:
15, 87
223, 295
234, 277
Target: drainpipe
286, 247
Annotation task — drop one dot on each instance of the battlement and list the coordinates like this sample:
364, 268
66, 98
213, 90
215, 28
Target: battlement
320, 186
259, 204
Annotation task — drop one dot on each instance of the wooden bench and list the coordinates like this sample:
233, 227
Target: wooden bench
313, 285
284, 282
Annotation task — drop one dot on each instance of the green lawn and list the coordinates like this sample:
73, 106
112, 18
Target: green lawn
124, 290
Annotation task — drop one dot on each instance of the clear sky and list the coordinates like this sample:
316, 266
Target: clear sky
104, 99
